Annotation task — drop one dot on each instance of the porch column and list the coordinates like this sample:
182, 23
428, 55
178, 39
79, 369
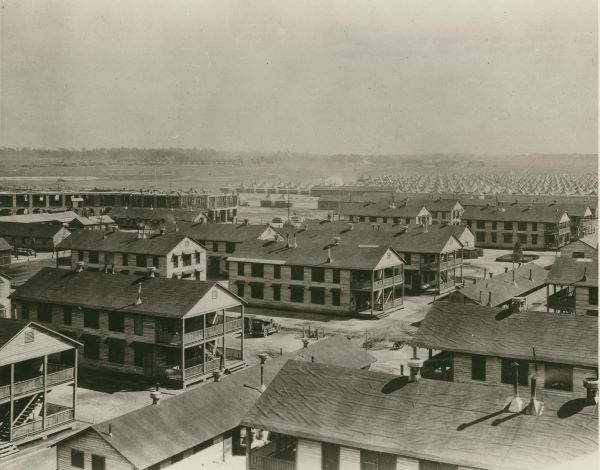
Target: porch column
12, 401
183, 352
547, 297
45, 402
204, 345
372, 291
75, 385
224, 353
393, 286
248, 446
242, 335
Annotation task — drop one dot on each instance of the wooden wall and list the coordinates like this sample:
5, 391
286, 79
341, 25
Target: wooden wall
90, 443
308, 454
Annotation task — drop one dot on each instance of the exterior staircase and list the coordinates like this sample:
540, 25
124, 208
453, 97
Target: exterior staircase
26, 412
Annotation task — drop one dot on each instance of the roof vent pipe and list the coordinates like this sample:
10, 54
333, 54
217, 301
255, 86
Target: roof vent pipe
295, 241
591, 385
515, 403
505, 269
263, 358
151, 271
329, 258
484, 273
490, 299
535, 407
79, 266
156, 394
139, 296
109, 429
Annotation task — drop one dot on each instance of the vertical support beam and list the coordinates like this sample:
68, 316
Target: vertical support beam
547, 297
204, 345
248, 446
75, 365
224, 354
242, 335
372, 291
45, 402
12, 400
183, 352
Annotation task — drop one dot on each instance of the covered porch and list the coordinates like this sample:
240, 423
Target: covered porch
375, 294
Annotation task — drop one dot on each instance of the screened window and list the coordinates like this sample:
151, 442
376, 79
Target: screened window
508, 225
276, 292
93, 257
297, 273
80, 255
330, 456
91, 319
558, 377
240, 269
91, 347
522, 226
336, 276
494, 237
477, 367
257, 291
534, 227
215, 247
77, 458
44, 313
507, 237
257, 270
277, 271
138, 325
480, 236
297, 294
534, 239
116, 352
377, 461
317, 275
140, 261
481, 224
98, 462
125, 259
116, 321
187, 260
593, 296
67, 315
317, 296
335, 297
240, 289
522, 237
156, 261
229, 247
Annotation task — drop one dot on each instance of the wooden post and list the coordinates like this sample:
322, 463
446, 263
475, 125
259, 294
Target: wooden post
204, 345
242, 335
12, 401
224, 332
75, 385
183, 352
547, 297
248, 446
45, 402
372, 291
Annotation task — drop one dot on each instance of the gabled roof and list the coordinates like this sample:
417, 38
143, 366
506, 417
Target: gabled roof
456, 423
62, 217
169, 215
503, 288
476, 329
125, 242
406, 208
312, 253
10, 328
4, 245
35, 229
161, 297
93, 220
567, 271
515, 213
590, 240
224, 232
207, 411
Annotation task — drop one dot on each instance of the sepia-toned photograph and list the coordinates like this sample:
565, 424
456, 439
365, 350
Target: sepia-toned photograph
299, 235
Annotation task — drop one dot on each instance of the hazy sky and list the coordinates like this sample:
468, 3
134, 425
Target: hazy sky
347, 76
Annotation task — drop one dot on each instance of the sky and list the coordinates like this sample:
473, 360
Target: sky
367, 77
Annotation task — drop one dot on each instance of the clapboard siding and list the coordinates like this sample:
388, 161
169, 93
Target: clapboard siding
308, 454
349, 459
43, 343
90, 443
404, 463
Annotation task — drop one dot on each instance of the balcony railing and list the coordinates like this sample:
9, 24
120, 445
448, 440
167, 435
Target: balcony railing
231, 354
562, 300
198, 335
37, 383
378, 284
261, 462
35, 427
200, 369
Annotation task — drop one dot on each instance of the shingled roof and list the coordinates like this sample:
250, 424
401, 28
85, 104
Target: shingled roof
456, 423
224, 232
169, 215
515, 213
207, 411
35, 229
125, 242
475, 329
406, 208
161, 296
527, 278
566, 271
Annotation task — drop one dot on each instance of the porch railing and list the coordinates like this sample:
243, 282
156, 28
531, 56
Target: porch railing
261, 462
35, 427
200, 369
37, 383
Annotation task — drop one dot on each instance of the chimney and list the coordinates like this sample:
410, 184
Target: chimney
263, 358
295, 241
79, 266
156, 394
491, 275
109, 429
151, 271
139, 297
162, 230
515, 403
591, 385
336, 240
535, 407
505, 269
415, 364
490, 299
245, 221
517, 304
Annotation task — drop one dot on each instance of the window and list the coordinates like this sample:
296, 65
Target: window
257, 270
534, 239
125, 259
140, 261
336, 276
80, 255
558, 377
116, 352
372, 219
481, 224
522, 226
507, 237
508, 371
297, 294
91, 319
335, 297
215, 247
116, 321
175, 259
494, 237
138, 325
522, 237
317, 296
277, 271
276, 292
407, 259
24, 311
494, 225
534, 226
240, 269
77, 458
155, 261
240, 289
229, 247
330, 456
44, 313
317, 274
297, 273
480, 236
257, 291
407, 220
593, 296
29, 336
508, 225
477, 367
138, 355
198, 257
91, 347
98, 462
93, 257
67, 315
187, 260
578, 254
376, 461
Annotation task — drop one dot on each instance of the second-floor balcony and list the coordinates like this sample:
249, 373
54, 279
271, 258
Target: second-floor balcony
57, 374
269, 457
377, 284
214, 331
562, 300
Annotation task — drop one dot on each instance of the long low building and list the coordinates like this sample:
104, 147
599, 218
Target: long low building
150, 327
329, 417
43, 236
132, 218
